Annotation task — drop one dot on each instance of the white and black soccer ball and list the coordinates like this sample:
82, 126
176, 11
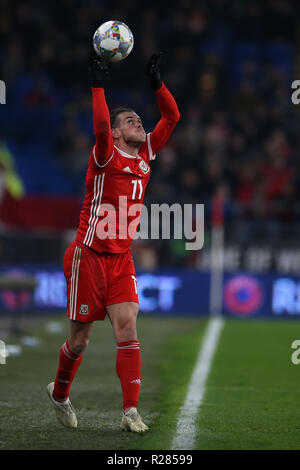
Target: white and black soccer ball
113, 41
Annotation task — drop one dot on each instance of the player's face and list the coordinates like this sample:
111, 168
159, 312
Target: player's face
131, 127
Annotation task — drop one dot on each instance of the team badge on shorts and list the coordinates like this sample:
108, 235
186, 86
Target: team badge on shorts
144, 167
84, 309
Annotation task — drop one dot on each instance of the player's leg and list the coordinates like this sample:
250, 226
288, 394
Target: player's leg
70, 358
128, 365
84, 293
123, 318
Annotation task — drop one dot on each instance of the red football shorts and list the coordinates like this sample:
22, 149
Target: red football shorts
96, 280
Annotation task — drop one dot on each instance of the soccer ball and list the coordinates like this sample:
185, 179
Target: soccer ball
113, 41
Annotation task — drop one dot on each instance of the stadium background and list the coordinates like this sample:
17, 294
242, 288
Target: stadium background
230, 65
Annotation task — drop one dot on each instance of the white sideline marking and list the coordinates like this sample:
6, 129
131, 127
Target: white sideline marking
185, 435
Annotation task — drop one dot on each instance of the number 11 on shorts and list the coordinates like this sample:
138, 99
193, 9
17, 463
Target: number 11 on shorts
135, 283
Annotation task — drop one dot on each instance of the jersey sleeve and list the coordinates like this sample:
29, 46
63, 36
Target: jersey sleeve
169, 117
103, 150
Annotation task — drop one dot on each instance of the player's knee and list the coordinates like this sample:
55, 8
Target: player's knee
126, 323
78, 345
128, 328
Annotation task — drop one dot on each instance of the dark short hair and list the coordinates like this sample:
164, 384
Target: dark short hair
114, 114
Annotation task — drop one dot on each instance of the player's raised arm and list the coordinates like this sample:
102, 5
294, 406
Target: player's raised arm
99, 72
167, 105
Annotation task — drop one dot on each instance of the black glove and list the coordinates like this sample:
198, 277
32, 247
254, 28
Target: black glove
98, 70
153, 70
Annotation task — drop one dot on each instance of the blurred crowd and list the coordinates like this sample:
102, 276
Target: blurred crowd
229, 64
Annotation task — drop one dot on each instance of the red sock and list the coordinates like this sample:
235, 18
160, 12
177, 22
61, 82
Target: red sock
129, 371
67, 368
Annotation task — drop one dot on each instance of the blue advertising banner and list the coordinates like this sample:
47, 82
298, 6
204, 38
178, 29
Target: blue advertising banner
261, 295
169, 292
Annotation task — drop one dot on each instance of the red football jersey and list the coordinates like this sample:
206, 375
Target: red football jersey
116, 181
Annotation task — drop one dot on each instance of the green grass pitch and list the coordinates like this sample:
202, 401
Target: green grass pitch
251, 400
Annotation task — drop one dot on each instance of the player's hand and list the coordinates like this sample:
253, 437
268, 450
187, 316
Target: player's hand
153, 70
98, 70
